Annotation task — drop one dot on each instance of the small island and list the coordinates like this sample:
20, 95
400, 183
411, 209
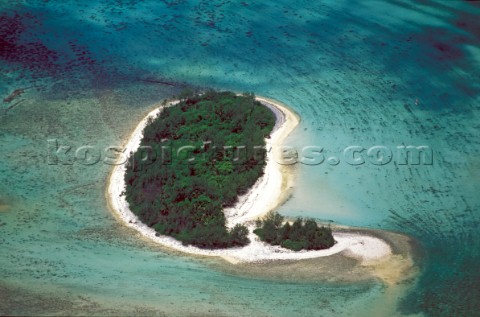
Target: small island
217, 152
182, 201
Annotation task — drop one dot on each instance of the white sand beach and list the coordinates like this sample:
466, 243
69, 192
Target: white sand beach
264, 196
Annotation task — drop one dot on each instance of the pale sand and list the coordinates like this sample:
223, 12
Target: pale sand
267, 193
4, 207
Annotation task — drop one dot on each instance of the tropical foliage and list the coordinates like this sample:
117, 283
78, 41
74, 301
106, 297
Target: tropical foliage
301, 235
205, 152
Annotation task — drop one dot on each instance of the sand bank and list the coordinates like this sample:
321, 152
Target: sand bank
267, 193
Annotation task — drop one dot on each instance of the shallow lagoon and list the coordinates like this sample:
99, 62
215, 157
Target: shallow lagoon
354, 72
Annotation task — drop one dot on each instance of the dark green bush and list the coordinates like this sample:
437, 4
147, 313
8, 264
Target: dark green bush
302, 235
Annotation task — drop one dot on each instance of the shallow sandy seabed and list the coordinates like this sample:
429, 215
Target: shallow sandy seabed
341, 267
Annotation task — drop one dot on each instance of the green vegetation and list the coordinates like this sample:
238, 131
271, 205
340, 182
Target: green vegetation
181, 192
299, 236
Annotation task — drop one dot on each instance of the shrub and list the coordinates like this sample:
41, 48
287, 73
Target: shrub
299, 236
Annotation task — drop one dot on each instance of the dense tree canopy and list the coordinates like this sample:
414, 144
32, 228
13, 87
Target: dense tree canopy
204, 153
301, 235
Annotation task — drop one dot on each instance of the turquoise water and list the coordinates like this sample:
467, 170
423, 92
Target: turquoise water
367, 74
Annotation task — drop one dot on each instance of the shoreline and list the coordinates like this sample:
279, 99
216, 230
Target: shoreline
267, 193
